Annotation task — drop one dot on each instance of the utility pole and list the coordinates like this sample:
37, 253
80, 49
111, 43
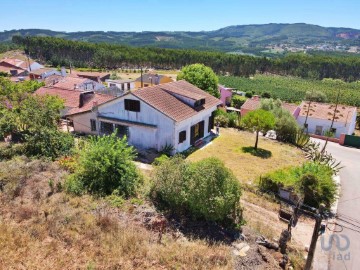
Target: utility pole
315, 236
142, 82
307, 115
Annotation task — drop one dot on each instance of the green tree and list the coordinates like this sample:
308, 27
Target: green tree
316, 96
286, 126
238, 101
105, 166
259, 121
202, 77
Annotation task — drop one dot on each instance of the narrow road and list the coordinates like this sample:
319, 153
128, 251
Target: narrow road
343, 256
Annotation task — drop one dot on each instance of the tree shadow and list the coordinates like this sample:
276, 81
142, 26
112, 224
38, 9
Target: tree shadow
262, 153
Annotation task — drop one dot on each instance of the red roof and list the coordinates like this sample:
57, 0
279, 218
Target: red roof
16, 62
326, 111
72, 98
160, 98
69, 82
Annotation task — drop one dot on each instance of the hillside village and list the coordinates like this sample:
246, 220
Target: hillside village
181, 134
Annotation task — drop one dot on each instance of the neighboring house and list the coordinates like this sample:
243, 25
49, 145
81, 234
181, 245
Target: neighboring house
319, 117
254, 103
95, 76
124, 85
77, 83
177, 114
42, 73
150, 79
17, 64
225, 94
76, 103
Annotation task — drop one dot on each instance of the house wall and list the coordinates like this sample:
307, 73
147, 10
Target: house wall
341, 127
186, 125
141, 136
296, 112
91, 85
119, 85
224, 93
82, 123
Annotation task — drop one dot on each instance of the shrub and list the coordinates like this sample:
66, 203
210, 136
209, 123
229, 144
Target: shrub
238, 101
265, 95
223, 120
106, 165
161, 159
8, 151
233, 118
312, 181
205, 189
49, 143
248, 94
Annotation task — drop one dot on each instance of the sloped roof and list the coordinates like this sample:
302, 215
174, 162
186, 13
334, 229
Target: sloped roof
91, 74
42, 70
72, 98
150, 78
160, 98
69, 82
325, 111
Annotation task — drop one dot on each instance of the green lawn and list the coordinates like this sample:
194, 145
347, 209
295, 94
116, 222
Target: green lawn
230, 145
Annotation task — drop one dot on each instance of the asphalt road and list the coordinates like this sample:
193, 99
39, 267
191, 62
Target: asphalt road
343, 256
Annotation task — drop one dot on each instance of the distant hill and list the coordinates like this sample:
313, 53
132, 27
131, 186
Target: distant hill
228, 39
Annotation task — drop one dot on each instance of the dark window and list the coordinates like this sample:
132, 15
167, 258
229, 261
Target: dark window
182, 136
112, 84
199, 102
122, 131
106, 128
128, 86
122, 86
93, 124
132, 105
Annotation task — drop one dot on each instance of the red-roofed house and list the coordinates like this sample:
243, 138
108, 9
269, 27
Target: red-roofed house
78, 104
176, 113
254, 103
77, 83
319, 117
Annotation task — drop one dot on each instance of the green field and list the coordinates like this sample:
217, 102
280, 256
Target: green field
293, 89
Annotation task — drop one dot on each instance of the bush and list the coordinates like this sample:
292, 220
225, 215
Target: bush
233, 119
205, 189
223, 120
238, 101
226, 119
312, 181
161, 159
8, 151
106, 165
265, 95
286, 128
248, 94
49, 143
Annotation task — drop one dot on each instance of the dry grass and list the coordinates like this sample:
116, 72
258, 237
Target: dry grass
43, 230
247, 167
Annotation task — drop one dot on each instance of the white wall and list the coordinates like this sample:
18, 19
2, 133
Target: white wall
35, 66
186, 125
82, 123
341, 127
141, 136
119, 85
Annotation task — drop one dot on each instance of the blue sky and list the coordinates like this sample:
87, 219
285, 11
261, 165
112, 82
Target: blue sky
161, 15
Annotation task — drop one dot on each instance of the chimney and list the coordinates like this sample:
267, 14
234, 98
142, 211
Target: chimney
63, 71
85, 97
255, 97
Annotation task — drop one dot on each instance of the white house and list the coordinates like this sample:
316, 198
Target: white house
319, 117
124, 85
176, 113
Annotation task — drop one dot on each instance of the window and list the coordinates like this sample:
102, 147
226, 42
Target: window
199, 102
132, 105
122, 131
106, 128
182, 136
112, 85
128, 86
211, 122
93, 124
318, 130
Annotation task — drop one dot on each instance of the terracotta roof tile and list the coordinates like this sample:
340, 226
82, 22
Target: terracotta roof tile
72, 99
161, 98
326, 111
69, 82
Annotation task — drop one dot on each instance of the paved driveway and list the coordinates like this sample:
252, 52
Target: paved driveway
348, 208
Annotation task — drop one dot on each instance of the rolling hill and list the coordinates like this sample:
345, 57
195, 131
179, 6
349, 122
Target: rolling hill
232, 38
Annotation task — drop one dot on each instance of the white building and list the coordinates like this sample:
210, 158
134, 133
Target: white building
176, 113
124, 85
319, 117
